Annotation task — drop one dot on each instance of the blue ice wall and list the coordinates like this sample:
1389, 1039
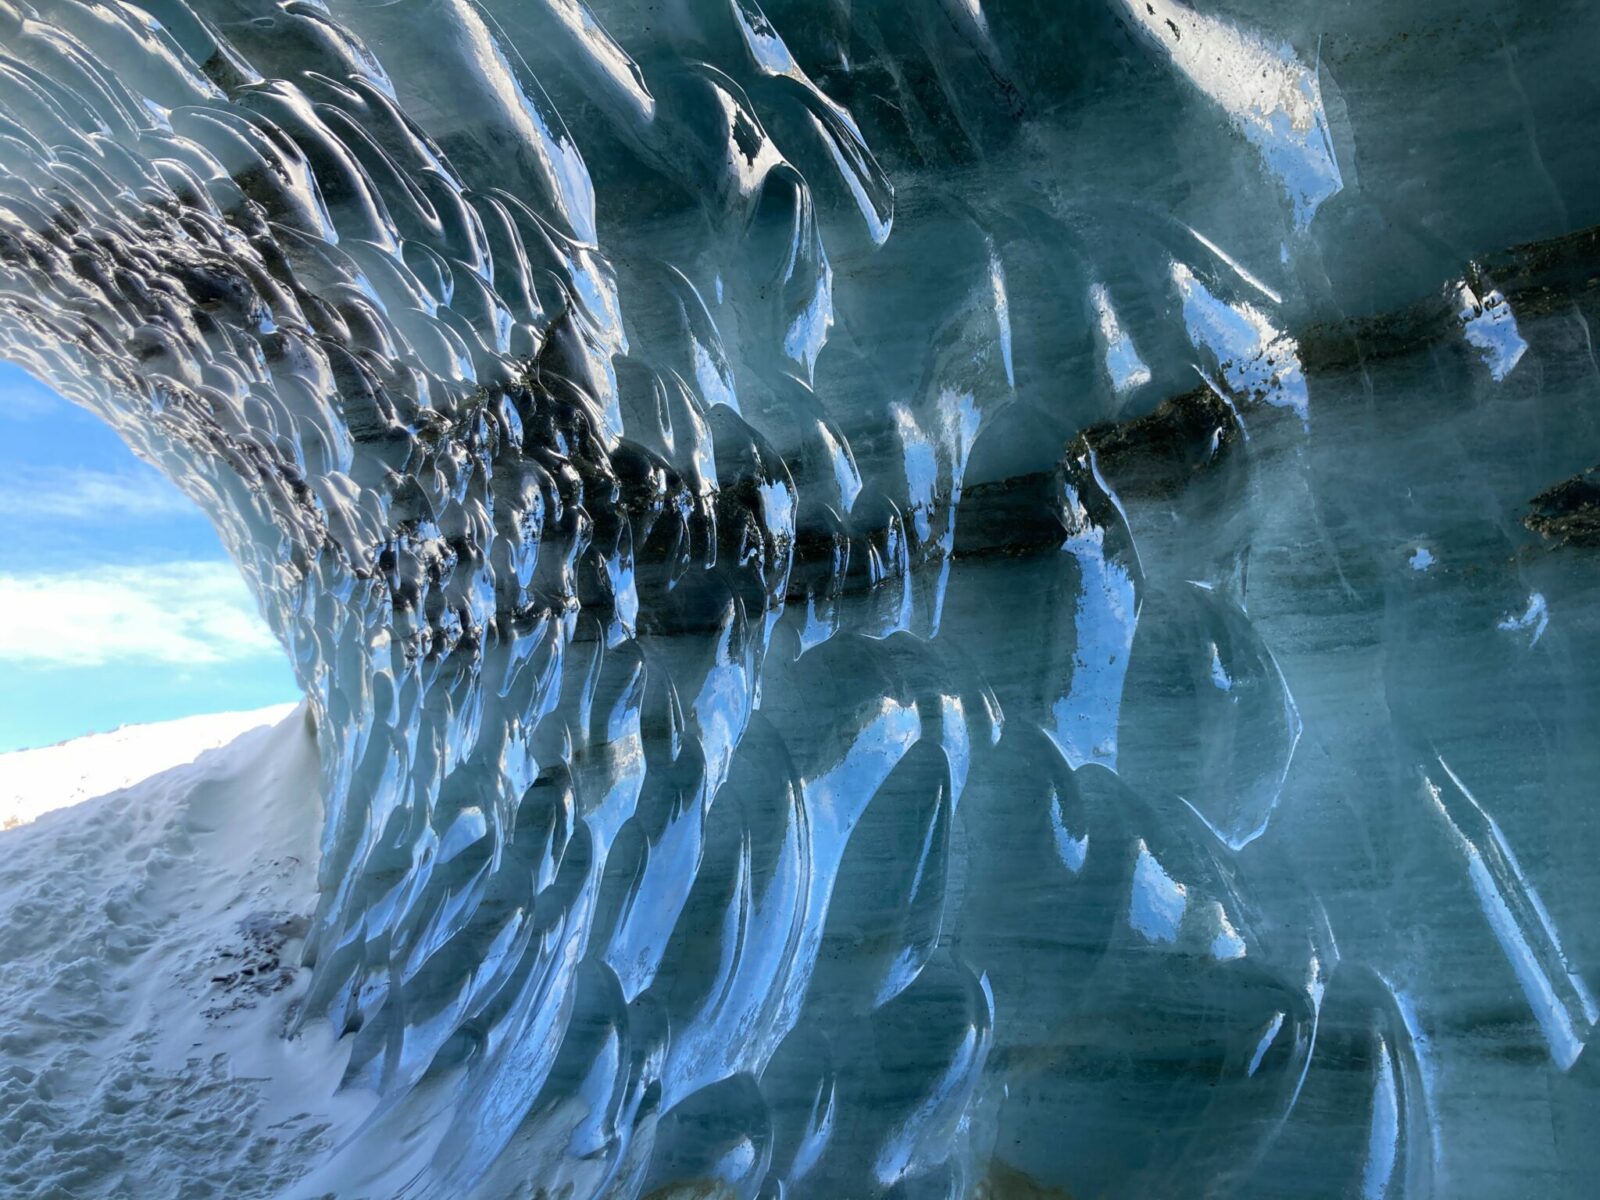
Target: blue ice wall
916, 599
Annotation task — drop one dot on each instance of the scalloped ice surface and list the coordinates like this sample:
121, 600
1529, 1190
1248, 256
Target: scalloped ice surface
900, 598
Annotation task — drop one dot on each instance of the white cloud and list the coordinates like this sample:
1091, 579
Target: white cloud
79, 494
177, 613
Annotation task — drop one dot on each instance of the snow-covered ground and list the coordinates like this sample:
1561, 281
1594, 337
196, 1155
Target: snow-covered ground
149, 950
33, 782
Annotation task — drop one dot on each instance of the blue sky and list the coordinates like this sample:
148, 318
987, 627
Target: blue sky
118, 604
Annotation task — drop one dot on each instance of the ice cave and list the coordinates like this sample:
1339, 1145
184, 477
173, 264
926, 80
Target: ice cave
917, 599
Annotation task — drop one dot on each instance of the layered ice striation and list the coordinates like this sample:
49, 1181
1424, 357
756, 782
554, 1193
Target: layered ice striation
919, 599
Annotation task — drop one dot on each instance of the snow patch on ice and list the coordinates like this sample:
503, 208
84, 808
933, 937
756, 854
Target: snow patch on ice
1123, 364
1270, 96
1490, 328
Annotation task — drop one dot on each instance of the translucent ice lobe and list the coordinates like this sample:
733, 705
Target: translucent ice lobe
1210, 714
1370, 1065
1560, 999
463, 87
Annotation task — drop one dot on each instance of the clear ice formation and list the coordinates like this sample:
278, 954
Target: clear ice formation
902, 598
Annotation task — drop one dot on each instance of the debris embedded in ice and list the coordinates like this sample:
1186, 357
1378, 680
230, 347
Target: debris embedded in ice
1569, 512
1256, 362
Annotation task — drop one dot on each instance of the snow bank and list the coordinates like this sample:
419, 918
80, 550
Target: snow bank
149, 950
33, 782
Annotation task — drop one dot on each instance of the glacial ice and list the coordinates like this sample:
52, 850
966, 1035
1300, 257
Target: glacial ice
886, 588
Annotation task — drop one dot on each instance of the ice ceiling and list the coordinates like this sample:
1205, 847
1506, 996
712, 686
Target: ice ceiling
918, 599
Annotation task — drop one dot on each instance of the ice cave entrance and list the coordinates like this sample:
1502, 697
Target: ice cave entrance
118, 604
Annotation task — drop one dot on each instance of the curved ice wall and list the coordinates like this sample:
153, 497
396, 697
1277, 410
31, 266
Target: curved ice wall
901, 599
